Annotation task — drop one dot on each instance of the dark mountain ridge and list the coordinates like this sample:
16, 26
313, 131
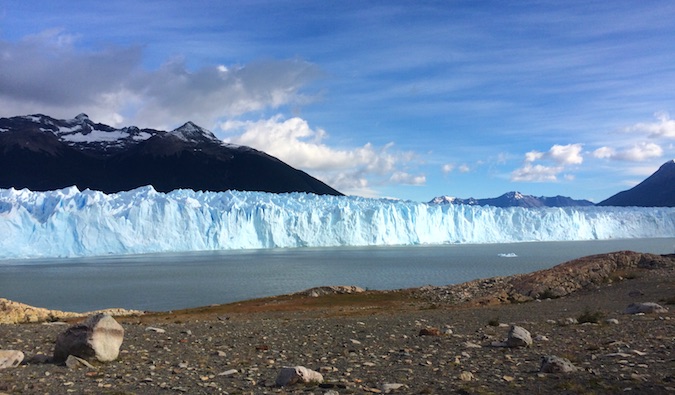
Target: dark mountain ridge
657, 190
42, 153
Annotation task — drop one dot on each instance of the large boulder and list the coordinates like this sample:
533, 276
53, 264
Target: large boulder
99, 338
645, 308
518, 337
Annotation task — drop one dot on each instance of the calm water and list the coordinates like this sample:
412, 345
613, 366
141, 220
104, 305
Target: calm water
172, 281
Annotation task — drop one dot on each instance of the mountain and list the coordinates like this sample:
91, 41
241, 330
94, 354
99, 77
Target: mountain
658, 190
514, 199
42, 153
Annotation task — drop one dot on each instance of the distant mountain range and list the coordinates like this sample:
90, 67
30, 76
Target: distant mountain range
514, 199
658, 190
42, 153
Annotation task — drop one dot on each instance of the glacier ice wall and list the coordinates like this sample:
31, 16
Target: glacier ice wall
68, 222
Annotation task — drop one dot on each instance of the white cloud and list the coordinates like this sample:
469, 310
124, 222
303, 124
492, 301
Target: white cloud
569, 154
350, 170
664, 127
447, 168
559, 155
637, 153
464, 168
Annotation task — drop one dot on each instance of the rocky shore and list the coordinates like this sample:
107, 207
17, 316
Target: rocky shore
568, 329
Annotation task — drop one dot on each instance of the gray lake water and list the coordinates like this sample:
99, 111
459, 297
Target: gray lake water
171, 281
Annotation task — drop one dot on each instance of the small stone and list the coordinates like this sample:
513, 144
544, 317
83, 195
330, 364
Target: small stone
354, 341
466, 376
468, 344
541, 338
612, 321
297, 374
10, 358
518, 337
73, 362
430, 331
389, 387
228, 372
508, 378
555, 364
154, 329
568, 321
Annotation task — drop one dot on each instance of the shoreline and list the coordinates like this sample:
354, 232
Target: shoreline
559, 281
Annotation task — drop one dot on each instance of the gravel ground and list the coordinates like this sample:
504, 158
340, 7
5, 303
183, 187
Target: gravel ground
364, 344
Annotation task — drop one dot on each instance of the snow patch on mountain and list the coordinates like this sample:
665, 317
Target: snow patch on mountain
67, 222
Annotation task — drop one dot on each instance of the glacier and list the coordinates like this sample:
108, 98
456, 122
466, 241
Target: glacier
73, 223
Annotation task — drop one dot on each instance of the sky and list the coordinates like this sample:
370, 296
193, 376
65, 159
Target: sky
394, 99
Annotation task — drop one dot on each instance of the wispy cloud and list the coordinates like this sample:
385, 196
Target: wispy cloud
663, 127
47, 71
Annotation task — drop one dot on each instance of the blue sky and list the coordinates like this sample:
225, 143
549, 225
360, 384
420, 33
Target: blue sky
377, 98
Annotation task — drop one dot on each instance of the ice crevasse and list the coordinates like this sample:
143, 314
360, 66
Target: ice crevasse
69, 222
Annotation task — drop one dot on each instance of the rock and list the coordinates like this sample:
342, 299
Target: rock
430, 331
98, 337
612, 321
15, 313
555, 364
73, 362
229, 372
469, 344
466, 376
645, 308
389, 387
568, 321
154, 329
331, 290
518, 337
290, 375
10, 358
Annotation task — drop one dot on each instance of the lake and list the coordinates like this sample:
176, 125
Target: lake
161, 282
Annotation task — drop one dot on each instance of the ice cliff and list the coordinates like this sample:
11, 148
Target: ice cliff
68, 222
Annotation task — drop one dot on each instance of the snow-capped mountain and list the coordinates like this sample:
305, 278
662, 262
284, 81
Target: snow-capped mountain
514, 199
657, 190
41, 153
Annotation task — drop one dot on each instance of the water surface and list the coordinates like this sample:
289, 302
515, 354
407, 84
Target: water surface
172, 281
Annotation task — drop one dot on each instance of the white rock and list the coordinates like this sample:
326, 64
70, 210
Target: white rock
10, 358
645, 308
466, 376
154, 329
468, 344
554, 364
290, 375
389, 387
568, 321
518, 337
228, 372
612, 321
98, 337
